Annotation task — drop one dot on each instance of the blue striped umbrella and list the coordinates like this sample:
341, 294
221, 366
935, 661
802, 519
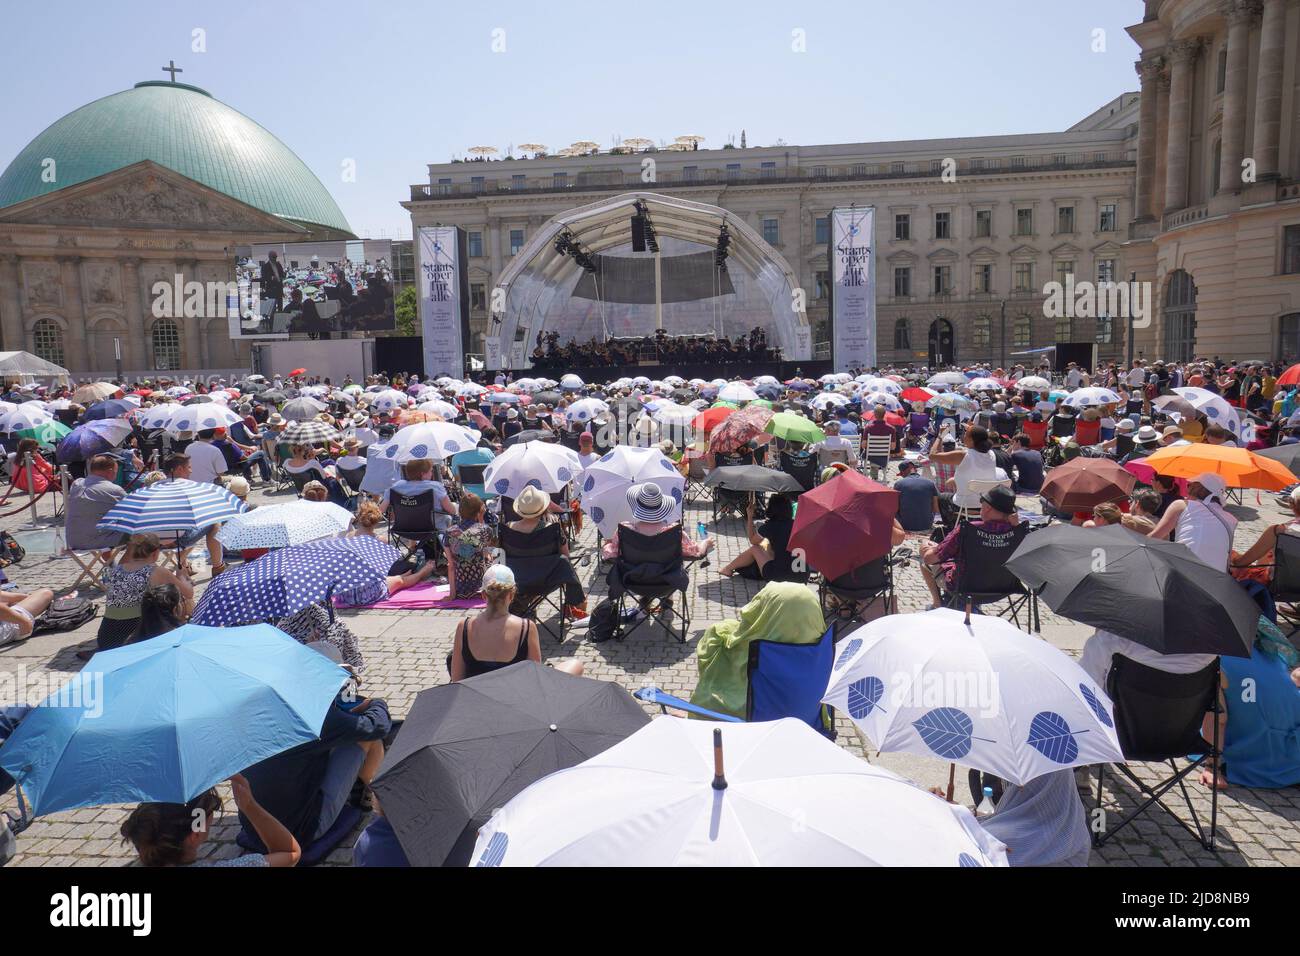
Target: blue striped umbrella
88, 440
286, 581
172, 507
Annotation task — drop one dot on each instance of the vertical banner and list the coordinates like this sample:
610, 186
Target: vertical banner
853, 287
441, 300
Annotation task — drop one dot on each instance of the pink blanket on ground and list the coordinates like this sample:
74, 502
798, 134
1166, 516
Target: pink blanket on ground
419, 598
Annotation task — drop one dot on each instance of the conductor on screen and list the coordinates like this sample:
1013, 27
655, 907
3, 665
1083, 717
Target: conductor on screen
273, 281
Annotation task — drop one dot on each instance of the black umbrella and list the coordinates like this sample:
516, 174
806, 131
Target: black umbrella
197, 400
752, 478
1157, 593
467, 748
1288, 455
531, 434
684, 396
547, 398
272, 396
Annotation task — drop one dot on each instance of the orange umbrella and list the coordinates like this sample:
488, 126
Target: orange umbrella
1240, 468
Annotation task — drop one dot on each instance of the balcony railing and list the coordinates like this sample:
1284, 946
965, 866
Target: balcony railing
1184, 216
595, 180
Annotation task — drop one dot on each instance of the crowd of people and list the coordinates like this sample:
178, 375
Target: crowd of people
966, 448
658, 349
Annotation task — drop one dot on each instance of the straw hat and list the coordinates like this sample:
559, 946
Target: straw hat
531, 503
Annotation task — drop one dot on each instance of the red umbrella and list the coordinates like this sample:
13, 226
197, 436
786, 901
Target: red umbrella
478, 418
917, 394
741, 426
296, 372
894, 419
844, 523
1084, 483
710, 419
1290, 377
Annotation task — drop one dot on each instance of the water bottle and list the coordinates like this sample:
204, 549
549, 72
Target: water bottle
702, 530
985, 809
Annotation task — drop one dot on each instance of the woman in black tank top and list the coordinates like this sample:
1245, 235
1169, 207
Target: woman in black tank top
472, 666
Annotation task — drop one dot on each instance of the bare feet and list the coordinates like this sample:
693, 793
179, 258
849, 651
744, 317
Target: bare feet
1210, 778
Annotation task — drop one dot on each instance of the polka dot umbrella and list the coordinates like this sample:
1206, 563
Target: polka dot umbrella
542, 465
428, 440
286, 581
607, 479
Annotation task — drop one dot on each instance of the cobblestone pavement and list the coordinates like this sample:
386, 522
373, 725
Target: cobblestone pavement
405, 653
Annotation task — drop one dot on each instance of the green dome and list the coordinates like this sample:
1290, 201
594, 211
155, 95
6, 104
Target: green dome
183, 128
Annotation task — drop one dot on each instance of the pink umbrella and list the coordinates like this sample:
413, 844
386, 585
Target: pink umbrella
1144, 473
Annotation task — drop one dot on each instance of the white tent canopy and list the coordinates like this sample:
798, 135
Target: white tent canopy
27, 365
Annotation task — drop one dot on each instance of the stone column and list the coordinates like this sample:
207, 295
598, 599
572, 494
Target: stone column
189, 351
1182, 58
74, 338
1268, 89
11, 304
1148, 68
1240, 16
135, 353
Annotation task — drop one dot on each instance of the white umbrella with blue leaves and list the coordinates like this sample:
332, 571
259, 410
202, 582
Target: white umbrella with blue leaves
977, 692
701, 793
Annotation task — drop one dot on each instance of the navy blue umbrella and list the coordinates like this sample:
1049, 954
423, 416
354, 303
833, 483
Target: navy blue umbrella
286, 581
86, 441
113, 408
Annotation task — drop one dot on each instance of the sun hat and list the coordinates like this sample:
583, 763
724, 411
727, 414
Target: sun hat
648, 503
360, 418
1146, 435
499, 575
1211, 482
275, 419
237, 486
511, 414
1171, 430
531, 503
1125, 425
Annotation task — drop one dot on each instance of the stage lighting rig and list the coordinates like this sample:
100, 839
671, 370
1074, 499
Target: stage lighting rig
567, 245
643, 222
720, 251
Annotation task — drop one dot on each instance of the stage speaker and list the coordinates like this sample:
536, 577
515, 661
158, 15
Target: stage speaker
638, 233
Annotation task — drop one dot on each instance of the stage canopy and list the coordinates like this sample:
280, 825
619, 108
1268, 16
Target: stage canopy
579, 277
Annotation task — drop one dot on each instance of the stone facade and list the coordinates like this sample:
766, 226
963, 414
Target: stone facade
1216, 188
78, 268
1013, 214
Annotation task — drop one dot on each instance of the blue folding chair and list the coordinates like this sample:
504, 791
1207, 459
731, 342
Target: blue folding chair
784, 680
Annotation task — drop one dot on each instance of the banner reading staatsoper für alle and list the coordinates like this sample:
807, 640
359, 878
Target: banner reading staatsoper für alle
853, 287
440, 307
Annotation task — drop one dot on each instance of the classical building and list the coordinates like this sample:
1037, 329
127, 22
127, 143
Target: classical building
1216, 224
968, 230
137, 188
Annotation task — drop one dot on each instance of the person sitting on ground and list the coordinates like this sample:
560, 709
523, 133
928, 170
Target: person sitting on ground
1261, 733
378, 844
1106, 513
126, 582
42, 472
19, 611
309, 786
783, 611
941, 561
471, 545
1042, 822
494, 638
768, 557
171, 834
162, 609
89, 499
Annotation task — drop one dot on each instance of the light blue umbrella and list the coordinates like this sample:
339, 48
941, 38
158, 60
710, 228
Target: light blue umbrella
172, 508
165, 719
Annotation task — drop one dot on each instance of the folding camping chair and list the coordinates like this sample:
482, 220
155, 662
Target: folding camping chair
652, 569
1159, 717
92, 565
782, 680
1284, 586
982, 556
535, 557
411, 522
848, 598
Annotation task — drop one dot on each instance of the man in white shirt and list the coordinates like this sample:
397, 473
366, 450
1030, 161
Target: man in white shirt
1137, 376
834, 447
206, 460
1073, 376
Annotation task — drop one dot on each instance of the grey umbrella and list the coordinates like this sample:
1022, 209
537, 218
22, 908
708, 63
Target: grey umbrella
301, 409
752, 478
467, 748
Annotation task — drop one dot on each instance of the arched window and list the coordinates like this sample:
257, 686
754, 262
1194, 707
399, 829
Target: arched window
902, 336
47, 341
1020, 332
166, 342
982, 331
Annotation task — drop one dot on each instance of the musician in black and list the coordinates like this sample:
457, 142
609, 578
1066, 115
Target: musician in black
272, 280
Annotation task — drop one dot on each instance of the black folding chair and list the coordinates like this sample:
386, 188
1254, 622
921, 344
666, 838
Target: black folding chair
984, 579
652, 569
846, 599
537, 562
801, 467
411, 522
1158, 717
300, 479
1285, 583
352, 478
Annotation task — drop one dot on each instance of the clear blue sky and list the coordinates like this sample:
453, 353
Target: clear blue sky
397, 84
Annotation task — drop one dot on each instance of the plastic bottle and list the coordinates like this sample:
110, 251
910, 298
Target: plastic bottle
702, 530
985, 809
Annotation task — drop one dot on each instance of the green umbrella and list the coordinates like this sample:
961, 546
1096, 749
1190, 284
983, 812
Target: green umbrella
721, 404
761, 403
794, 428
46, 433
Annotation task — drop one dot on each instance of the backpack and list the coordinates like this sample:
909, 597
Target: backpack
11, 552
602, 625
65, 614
